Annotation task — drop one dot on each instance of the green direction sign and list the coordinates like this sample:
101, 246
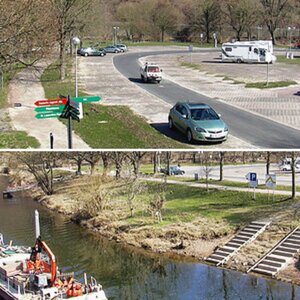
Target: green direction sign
50, 109
48, 115
86, 99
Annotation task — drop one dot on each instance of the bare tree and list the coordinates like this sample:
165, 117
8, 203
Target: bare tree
78, 157
241, 15
273, 13
66, 14
40, 165
205, 16
158, 201
92, 158
135, 159
133, 187
25, 36
165, 17
118, 158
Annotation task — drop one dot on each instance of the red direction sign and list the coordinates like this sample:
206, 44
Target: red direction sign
50, 102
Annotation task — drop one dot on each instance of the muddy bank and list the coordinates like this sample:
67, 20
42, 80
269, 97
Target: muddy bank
196, 239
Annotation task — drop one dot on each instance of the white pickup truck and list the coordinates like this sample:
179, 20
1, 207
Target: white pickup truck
151, 73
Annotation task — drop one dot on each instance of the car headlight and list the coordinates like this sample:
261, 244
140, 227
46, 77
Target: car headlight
226, 129
199, 129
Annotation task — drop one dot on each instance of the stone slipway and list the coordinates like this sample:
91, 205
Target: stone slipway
26, 88
98, 76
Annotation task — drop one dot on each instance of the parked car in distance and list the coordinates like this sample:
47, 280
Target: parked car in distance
173, 170
122, 47
151, 72
112, 49
91, 52
198, 121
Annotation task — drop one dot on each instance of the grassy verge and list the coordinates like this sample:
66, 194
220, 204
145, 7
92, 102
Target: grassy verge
275, 84
106, 126
184, 204
230, 183
10, 139
283, 59
17, 140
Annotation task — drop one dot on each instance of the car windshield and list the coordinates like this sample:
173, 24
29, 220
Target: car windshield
153, 69
204, 114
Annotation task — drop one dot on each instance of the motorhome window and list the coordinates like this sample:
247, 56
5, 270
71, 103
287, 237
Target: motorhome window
262, 52
255, 50
250, 49
228, 49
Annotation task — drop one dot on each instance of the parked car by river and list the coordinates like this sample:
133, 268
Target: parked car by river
173, 170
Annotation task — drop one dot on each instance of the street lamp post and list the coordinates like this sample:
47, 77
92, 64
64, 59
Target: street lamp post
76, 42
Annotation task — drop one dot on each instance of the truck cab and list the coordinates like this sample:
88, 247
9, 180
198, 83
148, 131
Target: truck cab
151, 73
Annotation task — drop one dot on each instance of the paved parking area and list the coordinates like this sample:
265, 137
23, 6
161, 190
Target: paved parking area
98, 76
279, 104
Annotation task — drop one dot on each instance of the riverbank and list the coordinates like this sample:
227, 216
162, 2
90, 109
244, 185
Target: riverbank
193, 229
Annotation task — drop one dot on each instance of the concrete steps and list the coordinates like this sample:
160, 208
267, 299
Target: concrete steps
222, 254
279, 256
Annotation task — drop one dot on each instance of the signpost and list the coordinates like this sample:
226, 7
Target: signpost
63, 107
45, 109
51, 102
252, 181
271, 183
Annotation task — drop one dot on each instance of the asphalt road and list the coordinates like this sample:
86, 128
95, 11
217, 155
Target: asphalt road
238, 173
259, 131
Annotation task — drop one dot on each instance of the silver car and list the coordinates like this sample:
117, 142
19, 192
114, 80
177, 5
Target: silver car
112, 49
122, 47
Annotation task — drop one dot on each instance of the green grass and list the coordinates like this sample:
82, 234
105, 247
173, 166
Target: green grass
275, 84
283, 59
17, 140
231, 183
185, 204
106, 126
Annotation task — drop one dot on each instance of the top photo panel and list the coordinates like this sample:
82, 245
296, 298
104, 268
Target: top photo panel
161, 74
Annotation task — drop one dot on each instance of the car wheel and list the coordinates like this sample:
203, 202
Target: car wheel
158, 81
189, 136
86, 54
239, 61
102, 54
171, 125
116, 51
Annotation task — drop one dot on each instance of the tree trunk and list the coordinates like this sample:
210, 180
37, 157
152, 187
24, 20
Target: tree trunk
155, 163
293, 176
268, 163
222, 156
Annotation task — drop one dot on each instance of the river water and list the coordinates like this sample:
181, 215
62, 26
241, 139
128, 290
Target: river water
127, 273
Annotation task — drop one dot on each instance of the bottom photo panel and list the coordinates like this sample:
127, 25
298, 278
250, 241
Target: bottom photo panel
150, 225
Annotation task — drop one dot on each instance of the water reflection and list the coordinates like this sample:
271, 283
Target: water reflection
126, 273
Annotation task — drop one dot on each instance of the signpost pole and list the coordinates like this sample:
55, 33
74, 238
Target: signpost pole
69, 129
51, 140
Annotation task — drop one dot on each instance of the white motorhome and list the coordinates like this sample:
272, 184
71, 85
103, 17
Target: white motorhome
249, 51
